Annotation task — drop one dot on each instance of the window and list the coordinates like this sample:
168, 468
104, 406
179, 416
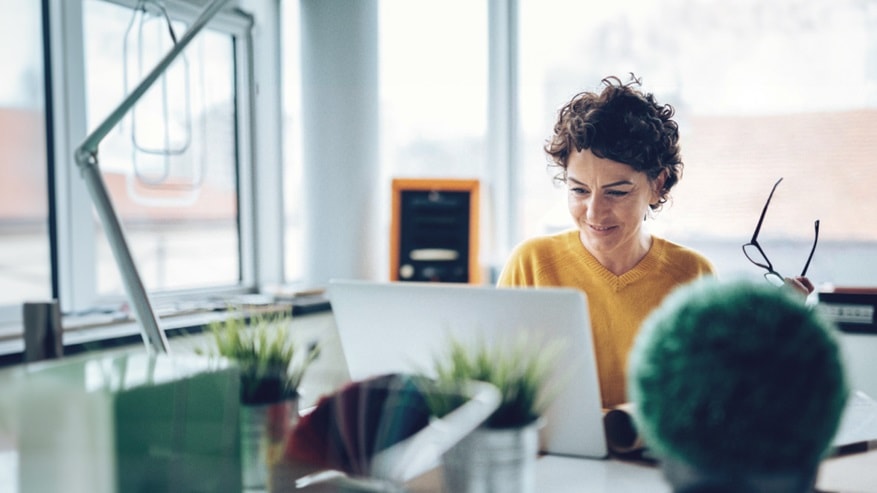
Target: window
433, 88
292, 164
179, 168
762, 91
170, 166
433, 91
24, 206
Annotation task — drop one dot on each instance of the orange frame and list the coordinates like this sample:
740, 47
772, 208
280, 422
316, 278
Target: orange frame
439, 185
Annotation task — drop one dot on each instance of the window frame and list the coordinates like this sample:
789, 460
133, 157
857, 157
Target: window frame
73, 228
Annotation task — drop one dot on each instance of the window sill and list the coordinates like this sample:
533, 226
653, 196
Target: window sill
108, 330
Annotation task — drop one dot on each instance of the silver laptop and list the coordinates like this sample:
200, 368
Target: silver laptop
387, 327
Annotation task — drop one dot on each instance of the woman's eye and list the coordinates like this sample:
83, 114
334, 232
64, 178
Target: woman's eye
578, 191
617, 193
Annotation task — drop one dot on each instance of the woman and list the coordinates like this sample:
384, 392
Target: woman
618, 155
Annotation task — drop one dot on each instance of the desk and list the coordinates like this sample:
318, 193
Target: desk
850, 473
854, 473
556, 474
553, 474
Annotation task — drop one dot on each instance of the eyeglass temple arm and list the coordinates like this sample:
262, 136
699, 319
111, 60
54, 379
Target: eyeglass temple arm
813, 248
764, 212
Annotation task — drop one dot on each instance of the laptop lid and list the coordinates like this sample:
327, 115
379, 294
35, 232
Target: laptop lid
387, 327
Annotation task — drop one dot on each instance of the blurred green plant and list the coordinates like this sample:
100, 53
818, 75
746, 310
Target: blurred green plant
271, 363
521, 371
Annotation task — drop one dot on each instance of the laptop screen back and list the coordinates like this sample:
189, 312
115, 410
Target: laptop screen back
389, 327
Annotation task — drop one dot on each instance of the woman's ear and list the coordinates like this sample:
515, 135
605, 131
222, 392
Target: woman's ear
658, 187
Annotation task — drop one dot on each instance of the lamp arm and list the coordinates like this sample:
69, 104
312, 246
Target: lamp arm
87, 161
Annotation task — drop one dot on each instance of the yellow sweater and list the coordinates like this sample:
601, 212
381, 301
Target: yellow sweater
617, 304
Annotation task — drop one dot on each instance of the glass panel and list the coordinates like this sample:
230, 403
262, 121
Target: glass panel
25, 266
170, 166
292, 177
433, 88
433, 73
762, 90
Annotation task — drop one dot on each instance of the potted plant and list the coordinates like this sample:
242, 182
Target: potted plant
272, 366
499, 455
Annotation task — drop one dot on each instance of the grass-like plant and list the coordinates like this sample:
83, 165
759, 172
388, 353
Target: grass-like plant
521, 371
272, 365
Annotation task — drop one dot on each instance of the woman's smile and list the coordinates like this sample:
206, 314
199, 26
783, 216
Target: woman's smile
598, 228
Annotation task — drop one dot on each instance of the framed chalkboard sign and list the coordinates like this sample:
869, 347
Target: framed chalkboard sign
434, 230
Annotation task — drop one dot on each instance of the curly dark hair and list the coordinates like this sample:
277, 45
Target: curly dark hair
623, 124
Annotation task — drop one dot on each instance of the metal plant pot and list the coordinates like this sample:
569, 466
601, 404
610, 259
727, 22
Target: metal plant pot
493, 461
264, 429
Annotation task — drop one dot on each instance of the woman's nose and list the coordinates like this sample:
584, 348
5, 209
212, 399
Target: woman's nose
595, 207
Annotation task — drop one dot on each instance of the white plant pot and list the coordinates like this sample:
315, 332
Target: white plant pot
493, 461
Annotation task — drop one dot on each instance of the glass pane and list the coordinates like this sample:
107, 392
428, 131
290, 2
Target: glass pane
762, 91
433, 88
170, 166
25, 266
292, 186
433, 72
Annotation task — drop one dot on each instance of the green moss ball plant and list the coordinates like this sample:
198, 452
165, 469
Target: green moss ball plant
737, 377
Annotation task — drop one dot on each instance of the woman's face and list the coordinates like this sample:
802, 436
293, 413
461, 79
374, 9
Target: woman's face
609, 201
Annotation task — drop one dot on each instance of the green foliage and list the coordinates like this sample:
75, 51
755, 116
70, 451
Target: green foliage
520, 373
272, 365
737, 376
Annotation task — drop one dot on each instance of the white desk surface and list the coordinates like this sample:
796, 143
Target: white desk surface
854, 473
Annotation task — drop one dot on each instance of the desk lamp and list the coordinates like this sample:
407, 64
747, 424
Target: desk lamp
131, 422
738, 387
87, 159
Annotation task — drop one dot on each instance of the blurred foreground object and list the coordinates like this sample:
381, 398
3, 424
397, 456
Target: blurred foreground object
127, 423
378, 429
738, 387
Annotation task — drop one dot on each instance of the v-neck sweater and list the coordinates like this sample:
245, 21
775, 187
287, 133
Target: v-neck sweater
617, 304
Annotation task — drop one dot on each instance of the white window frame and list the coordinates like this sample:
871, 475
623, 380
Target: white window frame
76, 271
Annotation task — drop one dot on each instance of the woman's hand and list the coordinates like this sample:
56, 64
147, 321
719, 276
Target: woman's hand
800, 284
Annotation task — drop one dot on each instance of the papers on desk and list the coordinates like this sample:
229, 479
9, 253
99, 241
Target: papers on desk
859, 421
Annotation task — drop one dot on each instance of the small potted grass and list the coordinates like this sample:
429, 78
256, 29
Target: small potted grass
499, 455
272, 365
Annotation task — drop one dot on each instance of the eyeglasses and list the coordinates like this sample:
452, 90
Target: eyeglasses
756, 255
